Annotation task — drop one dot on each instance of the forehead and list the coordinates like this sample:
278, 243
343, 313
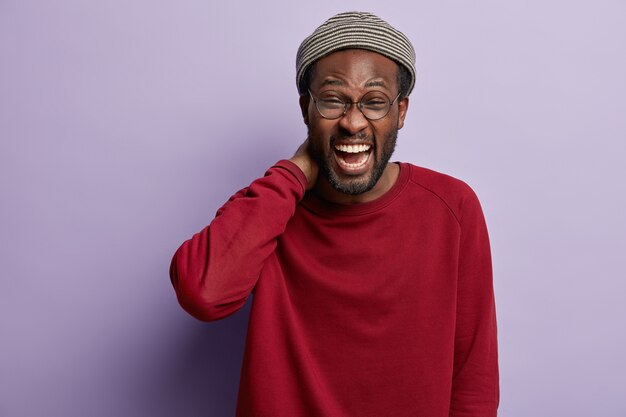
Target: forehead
355, 68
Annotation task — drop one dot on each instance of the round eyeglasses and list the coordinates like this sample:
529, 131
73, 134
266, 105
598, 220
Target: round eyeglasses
374, 104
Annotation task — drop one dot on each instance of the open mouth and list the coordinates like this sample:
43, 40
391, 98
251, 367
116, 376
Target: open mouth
353, 159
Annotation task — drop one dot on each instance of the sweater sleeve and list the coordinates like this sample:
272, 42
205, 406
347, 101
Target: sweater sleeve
475, 385
214, 272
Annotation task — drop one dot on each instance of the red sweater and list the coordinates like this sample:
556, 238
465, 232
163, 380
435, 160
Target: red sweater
378, 309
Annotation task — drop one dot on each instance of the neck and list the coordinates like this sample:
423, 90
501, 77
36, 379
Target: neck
325, 191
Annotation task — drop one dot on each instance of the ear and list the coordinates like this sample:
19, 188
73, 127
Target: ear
304, 107
403, 107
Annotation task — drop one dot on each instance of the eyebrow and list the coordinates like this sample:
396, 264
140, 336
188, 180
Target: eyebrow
378, 83
333, 82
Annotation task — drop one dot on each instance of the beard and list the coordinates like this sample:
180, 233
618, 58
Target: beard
358, 184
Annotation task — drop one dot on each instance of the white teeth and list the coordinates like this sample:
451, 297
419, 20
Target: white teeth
353, 148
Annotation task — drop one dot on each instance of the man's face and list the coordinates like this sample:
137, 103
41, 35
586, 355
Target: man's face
352, 151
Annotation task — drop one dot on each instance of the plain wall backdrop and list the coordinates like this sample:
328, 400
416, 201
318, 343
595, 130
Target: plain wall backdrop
124, 125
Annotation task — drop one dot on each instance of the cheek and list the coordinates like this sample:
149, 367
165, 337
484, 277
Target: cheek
320, 131
384, 134
317, 142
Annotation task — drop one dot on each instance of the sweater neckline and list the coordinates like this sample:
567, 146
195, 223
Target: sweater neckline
316, 204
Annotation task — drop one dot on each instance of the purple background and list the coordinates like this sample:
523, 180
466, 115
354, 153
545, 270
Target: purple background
124, 125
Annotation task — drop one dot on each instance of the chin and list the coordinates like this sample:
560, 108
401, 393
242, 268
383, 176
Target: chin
352, 186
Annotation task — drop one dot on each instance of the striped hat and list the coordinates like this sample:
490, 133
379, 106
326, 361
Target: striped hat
360, 30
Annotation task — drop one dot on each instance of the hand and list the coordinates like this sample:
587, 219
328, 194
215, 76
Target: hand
303, 159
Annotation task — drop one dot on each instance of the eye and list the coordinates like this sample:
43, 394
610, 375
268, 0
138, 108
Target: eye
374, 103
331, 101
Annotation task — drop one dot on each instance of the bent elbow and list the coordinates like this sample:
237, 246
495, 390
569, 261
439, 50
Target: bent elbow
205, 295
205, 309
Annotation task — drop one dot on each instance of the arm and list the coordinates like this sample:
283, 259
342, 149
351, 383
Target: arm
214, 272
475, 385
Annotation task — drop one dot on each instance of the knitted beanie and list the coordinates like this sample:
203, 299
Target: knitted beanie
359, 30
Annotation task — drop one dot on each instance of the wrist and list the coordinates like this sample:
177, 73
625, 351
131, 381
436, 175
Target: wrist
306, 168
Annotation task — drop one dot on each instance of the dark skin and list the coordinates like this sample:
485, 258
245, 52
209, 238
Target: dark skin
351, 72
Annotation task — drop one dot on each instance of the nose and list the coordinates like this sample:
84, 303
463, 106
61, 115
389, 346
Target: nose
353, 121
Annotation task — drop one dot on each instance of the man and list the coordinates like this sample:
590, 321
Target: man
372, 280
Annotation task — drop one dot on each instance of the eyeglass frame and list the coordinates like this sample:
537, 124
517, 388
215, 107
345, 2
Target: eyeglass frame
347, 104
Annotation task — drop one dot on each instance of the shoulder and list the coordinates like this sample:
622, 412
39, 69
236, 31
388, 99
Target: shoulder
456, 194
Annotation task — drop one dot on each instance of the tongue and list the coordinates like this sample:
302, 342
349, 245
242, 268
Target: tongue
351, 158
